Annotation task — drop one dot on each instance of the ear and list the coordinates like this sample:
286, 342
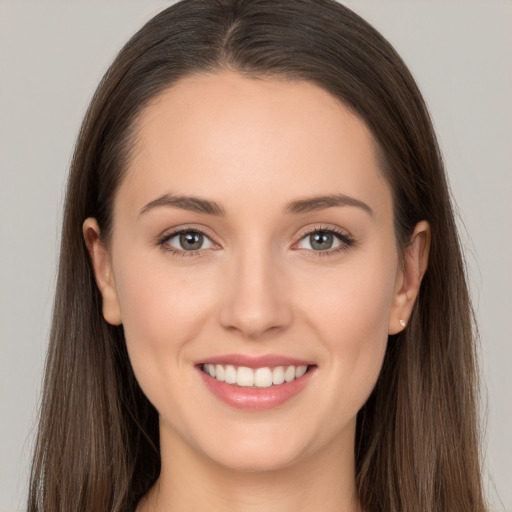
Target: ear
409, 280
100, 260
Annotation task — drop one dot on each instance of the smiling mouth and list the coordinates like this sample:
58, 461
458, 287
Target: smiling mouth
263, 377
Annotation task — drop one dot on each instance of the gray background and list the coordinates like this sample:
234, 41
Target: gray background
53, 54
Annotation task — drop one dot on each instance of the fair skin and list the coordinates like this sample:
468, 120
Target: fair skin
257, 283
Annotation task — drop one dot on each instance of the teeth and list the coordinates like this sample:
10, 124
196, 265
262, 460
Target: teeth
230, 375
259, 377
278, 376
289, 374
300, 371
220, 372
245, 377
263, 378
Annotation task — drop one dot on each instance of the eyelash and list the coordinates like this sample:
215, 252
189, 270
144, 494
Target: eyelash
162, 242
346, 240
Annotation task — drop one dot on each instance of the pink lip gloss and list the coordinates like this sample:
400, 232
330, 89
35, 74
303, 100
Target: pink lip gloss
254, 398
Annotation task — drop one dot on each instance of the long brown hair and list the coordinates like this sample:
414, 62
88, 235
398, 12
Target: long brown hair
417, 438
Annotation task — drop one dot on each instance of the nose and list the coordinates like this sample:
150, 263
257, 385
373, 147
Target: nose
254, 299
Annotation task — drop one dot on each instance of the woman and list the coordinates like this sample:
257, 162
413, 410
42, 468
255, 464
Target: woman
244, 317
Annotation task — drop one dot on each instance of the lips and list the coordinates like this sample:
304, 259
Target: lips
255, 383
271, 360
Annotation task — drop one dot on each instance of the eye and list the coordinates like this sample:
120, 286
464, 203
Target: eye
186, 240
325, 240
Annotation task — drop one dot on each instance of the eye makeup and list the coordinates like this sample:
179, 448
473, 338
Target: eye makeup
187, 235
319, 234
196, 239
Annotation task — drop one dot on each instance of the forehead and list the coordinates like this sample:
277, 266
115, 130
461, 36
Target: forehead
223, 135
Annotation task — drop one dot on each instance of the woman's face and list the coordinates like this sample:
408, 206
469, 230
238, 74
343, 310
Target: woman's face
253, 229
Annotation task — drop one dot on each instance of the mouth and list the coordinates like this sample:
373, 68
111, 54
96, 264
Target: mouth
262, 377
255, 383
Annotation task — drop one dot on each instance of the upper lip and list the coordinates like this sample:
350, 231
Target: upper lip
255, 361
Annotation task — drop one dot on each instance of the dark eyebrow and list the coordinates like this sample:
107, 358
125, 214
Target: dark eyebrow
322, 202
196, 204
193, 204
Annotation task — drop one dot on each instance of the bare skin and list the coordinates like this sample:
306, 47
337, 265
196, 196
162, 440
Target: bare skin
269, 274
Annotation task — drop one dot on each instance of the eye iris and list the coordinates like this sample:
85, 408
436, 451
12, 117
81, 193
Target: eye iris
321, 240
191, 240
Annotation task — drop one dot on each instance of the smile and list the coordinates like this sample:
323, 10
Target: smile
263, 377
256, 383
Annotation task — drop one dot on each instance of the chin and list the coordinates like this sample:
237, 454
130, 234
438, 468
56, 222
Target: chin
258, 450
256, 461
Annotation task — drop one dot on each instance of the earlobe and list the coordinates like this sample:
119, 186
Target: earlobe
414, 267
100, 260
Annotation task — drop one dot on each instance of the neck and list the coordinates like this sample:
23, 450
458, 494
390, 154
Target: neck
189, 480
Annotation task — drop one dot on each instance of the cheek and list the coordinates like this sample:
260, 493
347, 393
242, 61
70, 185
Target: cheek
349, 310
162, 308
353, 303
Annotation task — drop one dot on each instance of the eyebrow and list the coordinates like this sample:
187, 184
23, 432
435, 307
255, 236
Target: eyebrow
193, 204
199, 205
323, 202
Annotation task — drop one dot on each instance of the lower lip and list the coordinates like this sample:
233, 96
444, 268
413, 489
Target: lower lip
256, 398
